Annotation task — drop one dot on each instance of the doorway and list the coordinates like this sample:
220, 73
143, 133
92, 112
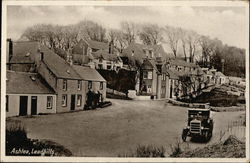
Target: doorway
73, 99
23, 105
33, 105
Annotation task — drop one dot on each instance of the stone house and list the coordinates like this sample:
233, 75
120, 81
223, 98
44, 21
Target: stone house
98, 55
28, 94
163, 79
68, 84
136, 52
92, 80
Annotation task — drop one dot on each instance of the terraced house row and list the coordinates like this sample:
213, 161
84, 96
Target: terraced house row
40, 82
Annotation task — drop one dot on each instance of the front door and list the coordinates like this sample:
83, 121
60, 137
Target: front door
171, 90
23, 105
73, 99
33, 105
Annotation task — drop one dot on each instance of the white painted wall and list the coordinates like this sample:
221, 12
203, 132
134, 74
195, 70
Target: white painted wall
14, 101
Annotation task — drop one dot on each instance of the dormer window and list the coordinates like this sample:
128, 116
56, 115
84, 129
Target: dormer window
133, 53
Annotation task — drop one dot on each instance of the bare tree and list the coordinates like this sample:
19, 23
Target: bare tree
183, 39
207, 47
118, 38
192, 42
150, 34
92, 30
172, 38
129, 30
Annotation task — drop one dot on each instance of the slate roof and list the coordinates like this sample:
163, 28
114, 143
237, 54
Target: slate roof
88, 73
21, 60
171, 74
23, 52
96, 44
105, 55
149, 64
58, 65
139, 54
22, 83
54, 62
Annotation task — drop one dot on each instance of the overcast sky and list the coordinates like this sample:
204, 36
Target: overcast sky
225, 23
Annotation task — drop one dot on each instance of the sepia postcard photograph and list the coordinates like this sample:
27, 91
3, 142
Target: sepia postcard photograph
112, 81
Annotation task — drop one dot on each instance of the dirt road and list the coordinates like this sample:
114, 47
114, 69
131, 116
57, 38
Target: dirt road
118, 129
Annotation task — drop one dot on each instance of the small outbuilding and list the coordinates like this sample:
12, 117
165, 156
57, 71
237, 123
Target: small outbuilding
28, 94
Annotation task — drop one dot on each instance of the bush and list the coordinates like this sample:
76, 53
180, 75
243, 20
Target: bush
18, 144
176, 149
146, 151
150, 151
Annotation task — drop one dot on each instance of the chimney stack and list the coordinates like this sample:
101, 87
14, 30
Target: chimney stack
9, 49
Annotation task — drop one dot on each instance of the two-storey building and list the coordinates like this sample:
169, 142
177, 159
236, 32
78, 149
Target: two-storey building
69, 84
98, 55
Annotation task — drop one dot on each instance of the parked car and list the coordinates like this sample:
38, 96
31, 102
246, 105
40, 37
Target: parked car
199, 124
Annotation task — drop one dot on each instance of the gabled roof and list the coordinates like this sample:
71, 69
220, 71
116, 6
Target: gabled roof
54, 62
148, 64
78, 48
105, 55
96, 44
88, 73
26, 83
139, 54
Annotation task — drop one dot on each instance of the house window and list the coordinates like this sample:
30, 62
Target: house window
108, 67
145, 75
7, 103
79, 85
64, 85
79, 100
49, 102
64, 100
163, 77
101, 85
150, 75
89, 84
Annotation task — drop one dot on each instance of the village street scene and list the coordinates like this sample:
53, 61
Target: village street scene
109, 81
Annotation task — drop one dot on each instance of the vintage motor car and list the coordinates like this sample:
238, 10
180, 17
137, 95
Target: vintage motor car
199, 124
